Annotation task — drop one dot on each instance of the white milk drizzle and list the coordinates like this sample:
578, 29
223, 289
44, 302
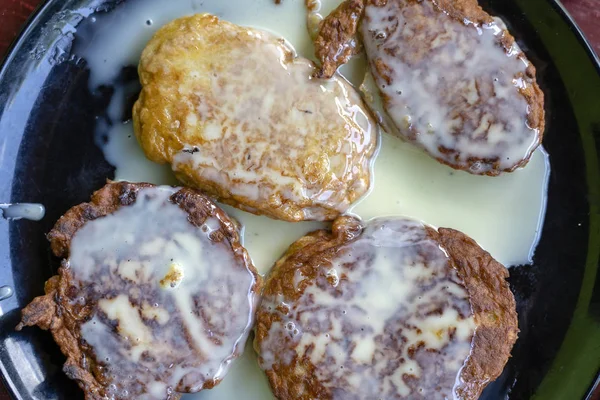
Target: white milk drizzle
383, 285
172, 291
451, 84
249, 118
504, 214
16, 211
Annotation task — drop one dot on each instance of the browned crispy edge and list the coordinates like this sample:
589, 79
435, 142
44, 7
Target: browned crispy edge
493, 306
491, 300
50, 311
337, 32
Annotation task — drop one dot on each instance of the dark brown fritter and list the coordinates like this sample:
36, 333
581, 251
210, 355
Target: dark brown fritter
337, 39
485, 112
104, 201
68, 303
51, 312
473, 107
494, 309
483, 278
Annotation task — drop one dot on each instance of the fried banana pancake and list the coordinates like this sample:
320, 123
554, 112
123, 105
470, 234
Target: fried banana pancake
239, 116
393, 309
155, 295
454, 82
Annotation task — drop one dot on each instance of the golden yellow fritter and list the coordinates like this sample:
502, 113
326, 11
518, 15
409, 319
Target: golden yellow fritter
239, 116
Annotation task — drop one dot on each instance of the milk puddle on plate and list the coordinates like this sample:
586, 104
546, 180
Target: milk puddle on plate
504, 214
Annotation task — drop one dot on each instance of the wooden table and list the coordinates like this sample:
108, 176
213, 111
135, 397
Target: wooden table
13, 14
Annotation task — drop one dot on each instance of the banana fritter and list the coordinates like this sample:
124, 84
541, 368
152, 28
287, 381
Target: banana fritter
155, 295
451, 78
390, 309
239, 116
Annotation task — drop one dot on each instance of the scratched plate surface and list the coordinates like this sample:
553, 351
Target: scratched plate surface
48, 155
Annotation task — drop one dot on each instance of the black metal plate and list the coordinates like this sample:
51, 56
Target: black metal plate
48, 155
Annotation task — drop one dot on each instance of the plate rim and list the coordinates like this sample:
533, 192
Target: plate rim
594, 388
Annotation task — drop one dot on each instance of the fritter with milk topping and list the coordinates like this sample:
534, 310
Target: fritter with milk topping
238, 115
336, 41
451, 77
155, 295
391, 309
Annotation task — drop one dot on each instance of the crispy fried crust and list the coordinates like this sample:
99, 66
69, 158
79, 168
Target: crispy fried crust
337, 40
104, 201
305, 255
483, 277
339, 31
236, 114
57, 312
340, 28
470, 10
493, 306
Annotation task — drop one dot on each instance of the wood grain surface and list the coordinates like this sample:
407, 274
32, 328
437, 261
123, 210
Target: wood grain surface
14, 13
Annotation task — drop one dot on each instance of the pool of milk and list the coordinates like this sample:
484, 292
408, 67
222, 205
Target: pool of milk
503, 214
